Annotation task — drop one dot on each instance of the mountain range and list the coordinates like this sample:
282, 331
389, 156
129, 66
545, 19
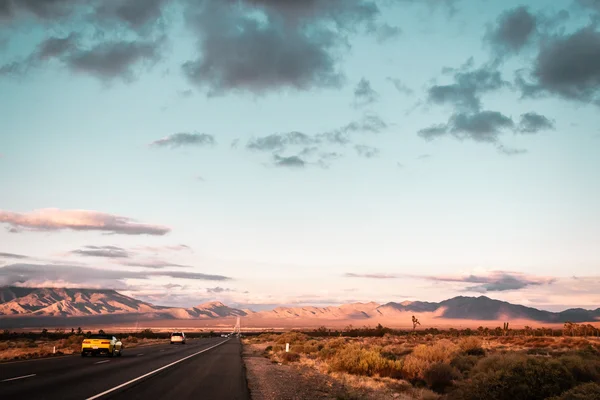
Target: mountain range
19, 303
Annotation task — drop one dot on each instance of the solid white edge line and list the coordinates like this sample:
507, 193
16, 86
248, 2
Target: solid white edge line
18, 377
102, 362
152, 372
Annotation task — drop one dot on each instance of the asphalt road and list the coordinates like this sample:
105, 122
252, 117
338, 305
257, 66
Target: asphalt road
201, 369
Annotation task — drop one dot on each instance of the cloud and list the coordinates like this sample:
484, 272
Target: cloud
384, 32
309, 145
106, 61
366, 151
512, 31
51, 9
364, 94
161, 249
185, 139
12, 255
52, 219
469, 84
36, 274
483, 126
153, 264
496, 281
400, 86
370, 276
102, 251
218, 289
567, 66
289, 162
533, 123
280, 141
260, 45
135, 14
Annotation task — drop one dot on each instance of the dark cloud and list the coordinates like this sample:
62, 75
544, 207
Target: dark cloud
364, 94
12, 255
512, 31
113, 59
105, 61
400, 86
102, 251
51, 219
260, 45
135, 14
185, 139
469, 84
43, 9
484, 126
533, 123
57, 274
497, 281
567, 66
289, 162
366, 151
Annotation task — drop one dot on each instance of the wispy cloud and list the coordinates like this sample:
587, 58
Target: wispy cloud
69, 275
366, 151
153, 264
364, 94
371, 276
52, 219
14, 256
102, 251
185, 139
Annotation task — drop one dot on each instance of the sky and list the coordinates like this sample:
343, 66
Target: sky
314, 152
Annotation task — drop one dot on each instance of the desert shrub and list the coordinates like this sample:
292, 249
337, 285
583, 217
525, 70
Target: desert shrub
131, 339
277, 348
297, 348
359, 361
440, 376
583, 370
471, 345
331, 347
312, 346
587, 391
3, 346
515, 378
268, 348
290, 356
464, 363
291, 338
423, 357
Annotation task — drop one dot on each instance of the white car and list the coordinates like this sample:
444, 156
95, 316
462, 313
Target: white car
177, 337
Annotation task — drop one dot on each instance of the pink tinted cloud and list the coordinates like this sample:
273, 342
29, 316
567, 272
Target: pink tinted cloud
52, 219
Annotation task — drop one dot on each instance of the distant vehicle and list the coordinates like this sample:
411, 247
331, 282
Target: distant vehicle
101, 344
177, 337
224, 335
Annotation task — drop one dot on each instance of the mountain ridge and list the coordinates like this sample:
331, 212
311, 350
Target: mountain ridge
72, 302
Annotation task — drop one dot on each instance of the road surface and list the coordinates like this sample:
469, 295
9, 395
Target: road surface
201, 369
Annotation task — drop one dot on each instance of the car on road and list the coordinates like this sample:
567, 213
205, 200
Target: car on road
101, 344
177, 337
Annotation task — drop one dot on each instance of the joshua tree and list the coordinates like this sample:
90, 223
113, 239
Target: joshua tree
505, 329
415, 322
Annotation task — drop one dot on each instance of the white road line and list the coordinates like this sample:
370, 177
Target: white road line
152, 372
18, 377
102, 362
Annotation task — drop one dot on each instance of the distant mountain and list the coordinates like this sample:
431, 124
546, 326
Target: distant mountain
27, 304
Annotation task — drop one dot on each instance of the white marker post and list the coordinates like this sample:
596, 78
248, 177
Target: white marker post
287, 347
54, 350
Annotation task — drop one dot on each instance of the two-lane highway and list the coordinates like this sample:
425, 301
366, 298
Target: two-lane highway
204, 368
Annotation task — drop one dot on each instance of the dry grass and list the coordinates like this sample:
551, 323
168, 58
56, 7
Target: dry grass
390, 365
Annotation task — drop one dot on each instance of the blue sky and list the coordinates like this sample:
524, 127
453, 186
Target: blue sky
269, 152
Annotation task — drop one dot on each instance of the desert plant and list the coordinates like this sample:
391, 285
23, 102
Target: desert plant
471, 345
440, 376
515, 378
423, 357
356, 360
587, 391
290, 356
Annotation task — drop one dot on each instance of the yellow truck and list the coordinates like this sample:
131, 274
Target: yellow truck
101, 344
